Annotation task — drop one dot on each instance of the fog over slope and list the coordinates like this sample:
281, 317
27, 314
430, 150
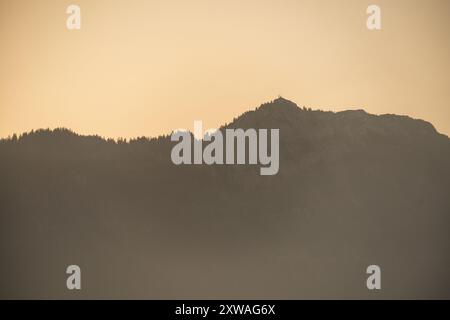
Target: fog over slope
353, 189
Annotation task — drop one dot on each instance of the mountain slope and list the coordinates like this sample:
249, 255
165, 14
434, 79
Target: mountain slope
353, 189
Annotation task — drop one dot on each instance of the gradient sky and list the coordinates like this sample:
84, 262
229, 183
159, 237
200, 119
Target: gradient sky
148, 67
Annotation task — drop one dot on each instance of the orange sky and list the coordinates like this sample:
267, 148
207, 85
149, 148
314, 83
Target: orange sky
147, 67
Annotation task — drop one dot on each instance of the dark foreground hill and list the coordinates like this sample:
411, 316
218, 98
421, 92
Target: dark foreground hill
353, 190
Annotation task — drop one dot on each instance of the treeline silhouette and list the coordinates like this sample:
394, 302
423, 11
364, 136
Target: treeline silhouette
353, 189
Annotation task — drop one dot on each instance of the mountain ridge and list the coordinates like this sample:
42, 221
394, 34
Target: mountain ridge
279, 109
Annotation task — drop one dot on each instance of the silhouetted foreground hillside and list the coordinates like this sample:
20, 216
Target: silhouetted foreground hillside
353, 189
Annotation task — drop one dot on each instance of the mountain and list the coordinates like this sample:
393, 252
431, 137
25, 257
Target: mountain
353, 189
